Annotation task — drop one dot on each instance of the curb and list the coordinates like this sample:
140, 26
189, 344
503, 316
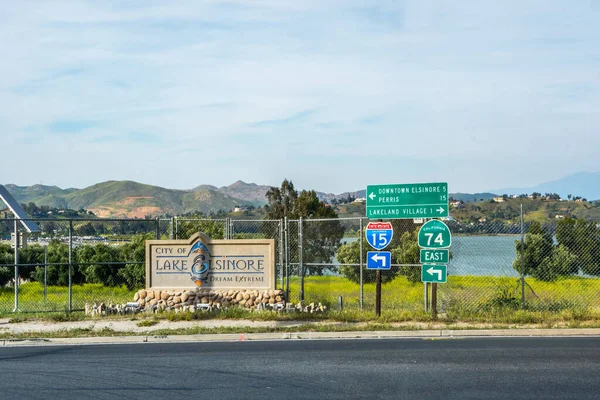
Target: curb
230, 337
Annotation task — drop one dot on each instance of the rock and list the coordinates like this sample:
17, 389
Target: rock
225, 303
170, 303
184, 297
149, 295
264, 301
142, 302
249, 303
266, 295
136, 297
278, 299
176, 299
164, 295
157, 294
153, 302
204, 300
246, 296
278, 292
242, 302
230, 293
239, 297
271, 301
142, 294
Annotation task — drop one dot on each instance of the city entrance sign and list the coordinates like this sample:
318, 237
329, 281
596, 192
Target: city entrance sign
407, 201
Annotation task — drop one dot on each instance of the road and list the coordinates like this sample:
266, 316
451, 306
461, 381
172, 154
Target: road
472, 368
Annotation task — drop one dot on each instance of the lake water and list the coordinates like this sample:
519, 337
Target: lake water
480, 255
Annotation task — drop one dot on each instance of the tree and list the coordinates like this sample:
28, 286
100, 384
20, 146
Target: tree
537, 248
101, 264
7, 258
560, 263
408, 252
320, 239
58, 273
582, 239
134, 275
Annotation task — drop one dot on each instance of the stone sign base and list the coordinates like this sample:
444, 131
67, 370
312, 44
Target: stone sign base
165, 300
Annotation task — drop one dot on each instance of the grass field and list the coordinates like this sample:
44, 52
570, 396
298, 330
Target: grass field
466, 296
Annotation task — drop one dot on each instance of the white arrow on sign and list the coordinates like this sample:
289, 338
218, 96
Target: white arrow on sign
372, 196
378, 258
432, 271
440, 210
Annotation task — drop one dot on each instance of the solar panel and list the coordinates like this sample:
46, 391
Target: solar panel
17, 210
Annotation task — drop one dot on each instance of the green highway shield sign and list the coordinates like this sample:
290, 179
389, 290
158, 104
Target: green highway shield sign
434, 234
435, 256
407, 201
434, 273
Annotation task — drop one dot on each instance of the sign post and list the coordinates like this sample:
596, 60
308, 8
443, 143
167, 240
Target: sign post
434, 239
414, 201
379, 235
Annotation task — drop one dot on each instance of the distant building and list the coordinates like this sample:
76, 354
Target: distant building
237, 209
360, 200
499, 199
560, 216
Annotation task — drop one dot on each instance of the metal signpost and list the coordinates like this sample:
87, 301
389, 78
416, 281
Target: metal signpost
379, 235
434, 239
407, 201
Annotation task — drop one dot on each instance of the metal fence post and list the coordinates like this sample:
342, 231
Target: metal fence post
360, 238
157, 228
176, 228
45, 272
16, 223
172, 228
300, 258
231, 228
70, 265
287, 258
281, 253
522, 262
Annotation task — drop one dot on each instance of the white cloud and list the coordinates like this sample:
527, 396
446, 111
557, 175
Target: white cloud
497, 88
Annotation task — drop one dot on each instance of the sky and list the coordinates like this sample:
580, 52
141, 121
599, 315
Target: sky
334, 95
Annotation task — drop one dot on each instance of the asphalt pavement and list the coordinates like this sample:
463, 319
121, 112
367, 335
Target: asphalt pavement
463, 368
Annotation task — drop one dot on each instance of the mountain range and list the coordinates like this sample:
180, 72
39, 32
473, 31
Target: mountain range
133, 199
583, 184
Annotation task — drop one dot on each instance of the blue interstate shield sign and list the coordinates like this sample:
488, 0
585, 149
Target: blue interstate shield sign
379, 234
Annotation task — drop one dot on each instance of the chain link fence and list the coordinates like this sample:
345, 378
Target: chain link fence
493, 266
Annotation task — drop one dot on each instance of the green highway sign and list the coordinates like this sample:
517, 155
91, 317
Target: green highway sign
407, 201
435, 256
434, 273
434, 234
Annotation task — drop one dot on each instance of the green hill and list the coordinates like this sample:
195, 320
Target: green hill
539, 209
127, 199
